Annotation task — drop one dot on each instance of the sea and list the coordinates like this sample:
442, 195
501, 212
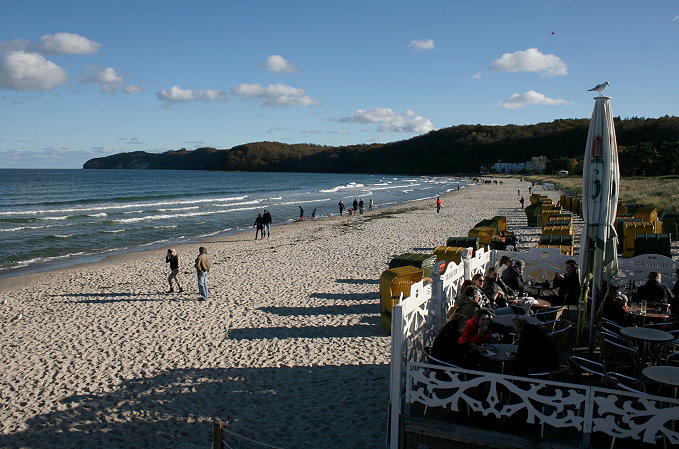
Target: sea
57, 218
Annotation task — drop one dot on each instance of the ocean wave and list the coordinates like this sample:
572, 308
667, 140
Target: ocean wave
101, 214
114, 231
104, 207
62, 236
180, 216
165, 227
61, 217
175, 209
351, 185
320, 200
23, 228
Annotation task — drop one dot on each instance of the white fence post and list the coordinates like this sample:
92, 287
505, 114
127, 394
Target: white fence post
395, 402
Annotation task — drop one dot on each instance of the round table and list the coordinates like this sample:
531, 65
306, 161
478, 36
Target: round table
499, 352
508, 320
540, 289
668, 375
645, 335
650, 315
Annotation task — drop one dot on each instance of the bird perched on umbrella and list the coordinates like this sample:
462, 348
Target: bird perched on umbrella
599, 88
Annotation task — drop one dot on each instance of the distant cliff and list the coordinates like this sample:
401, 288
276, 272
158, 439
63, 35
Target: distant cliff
458, 149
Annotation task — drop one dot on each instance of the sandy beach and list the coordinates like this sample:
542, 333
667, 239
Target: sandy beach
287, 351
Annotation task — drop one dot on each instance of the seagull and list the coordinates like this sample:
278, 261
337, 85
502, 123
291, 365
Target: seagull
599, 88
17, 317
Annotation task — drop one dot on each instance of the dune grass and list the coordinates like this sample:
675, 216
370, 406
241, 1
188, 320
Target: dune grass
660, 192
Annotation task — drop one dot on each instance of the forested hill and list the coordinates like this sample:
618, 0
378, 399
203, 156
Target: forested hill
646, 147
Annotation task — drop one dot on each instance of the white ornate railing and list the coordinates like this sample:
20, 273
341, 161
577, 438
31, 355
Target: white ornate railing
581, 408
417, 319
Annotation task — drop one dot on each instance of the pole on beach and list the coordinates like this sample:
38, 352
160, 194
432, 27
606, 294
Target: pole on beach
600, 185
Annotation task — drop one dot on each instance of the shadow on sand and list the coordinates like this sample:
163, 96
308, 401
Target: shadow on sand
287, 406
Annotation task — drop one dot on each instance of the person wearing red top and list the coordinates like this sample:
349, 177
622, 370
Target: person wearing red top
477, 329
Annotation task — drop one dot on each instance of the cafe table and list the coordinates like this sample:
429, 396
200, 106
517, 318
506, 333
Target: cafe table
646, 335
500, 352
541, 288
650, 314
666, 375
508, 320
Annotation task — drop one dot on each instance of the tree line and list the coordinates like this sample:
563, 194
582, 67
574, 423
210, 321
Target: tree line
647, 147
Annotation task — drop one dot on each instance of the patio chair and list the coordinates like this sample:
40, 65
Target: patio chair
617, 356
559, 374
601, 334
586, 371
672, 359
621, 382
434, 361
561, 340
610, 326
549, 313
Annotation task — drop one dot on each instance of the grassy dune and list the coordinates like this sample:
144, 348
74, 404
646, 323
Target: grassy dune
659, 192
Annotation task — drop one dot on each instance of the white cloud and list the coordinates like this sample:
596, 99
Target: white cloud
273, 95
390, 121
531, 97
477, 76
277, 63
318, 131
109, 80
29, 71
530, 60
68, 44
55, 44
675, 18
178, 95
421, 44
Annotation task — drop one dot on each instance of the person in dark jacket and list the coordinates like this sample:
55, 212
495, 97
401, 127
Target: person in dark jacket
674, 308
513, 277
259, 224
653, 290
173, 259
568, 284
267, 220
536, 352
468, 302
446, 346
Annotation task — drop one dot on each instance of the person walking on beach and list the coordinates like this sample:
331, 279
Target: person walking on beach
438, 204
313, 214
267, 223
360, 207
370, 204
341, 206
301, 213
173, 259
521, 201
202, 269
355, 204
259, 224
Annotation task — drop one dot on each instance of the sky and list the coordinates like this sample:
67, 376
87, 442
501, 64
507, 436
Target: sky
84, 79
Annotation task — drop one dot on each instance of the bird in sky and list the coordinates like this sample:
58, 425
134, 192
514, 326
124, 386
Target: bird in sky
599, 88
552, 32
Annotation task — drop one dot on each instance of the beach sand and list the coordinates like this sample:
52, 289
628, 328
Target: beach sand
288, 350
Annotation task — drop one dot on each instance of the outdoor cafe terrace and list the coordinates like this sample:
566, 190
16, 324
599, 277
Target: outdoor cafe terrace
622, 391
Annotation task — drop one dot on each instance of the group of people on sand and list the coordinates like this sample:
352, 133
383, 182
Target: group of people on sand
357, 206
202, 266
263, 224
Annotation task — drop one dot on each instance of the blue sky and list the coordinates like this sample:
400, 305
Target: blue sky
83, 79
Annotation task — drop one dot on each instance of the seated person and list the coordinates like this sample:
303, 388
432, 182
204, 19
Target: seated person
614, 309
446, 346
468, 302
478, 281
477, 329
504, 263
536, 352
653, 290
568, 285
513, 277
495, 289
